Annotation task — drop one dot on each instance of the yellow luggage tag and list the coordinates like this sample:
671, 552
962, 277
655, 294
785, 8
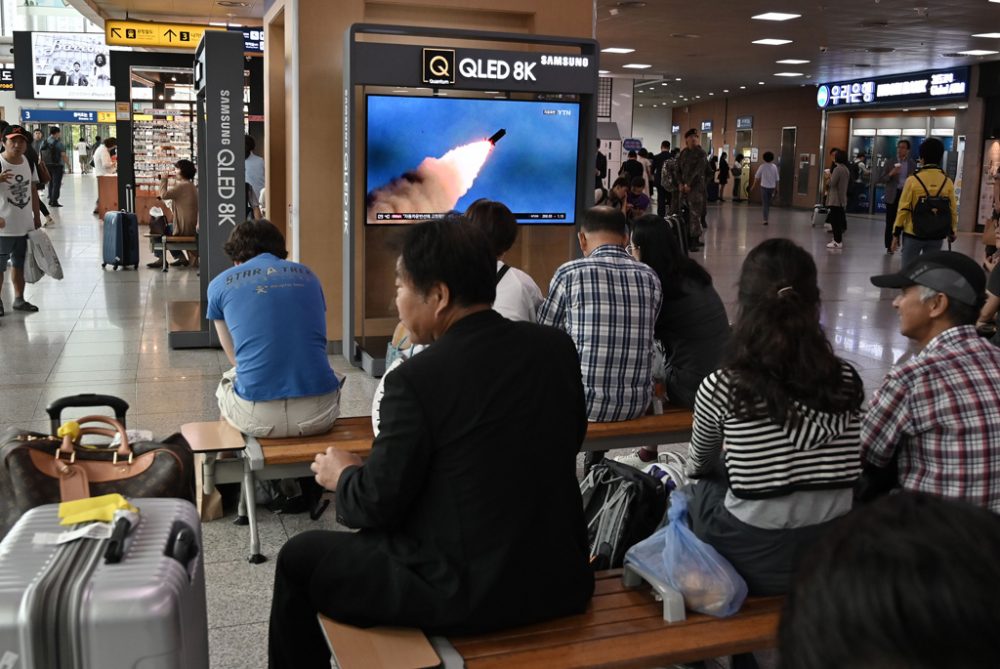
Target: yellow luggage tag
93, 509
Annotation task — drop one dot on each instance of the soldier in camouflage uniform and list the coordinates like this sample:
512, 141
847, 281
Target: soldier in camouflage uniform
692, 165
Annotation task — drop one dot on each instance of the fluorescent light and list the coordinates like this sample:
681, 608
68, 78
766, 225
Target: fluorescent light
865, 132
988, 35
772, 42
215, 23
679, 79
760, 83
978, 52
711, 93
637, 66
888, 132
915, 132
775, 16
617, 49
742, 88
604, 71
725, 90
663, 84
788, 74
792, 61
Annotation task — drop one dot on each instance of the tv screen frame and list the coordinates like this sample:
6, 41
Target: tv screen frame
53, 74
538, 218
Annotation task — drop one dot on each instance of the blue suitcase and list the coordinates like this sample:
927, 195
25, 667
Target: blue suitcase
121, 240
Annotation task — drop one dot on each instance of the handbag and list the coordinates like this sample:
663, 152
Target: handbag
43, 174
37, 469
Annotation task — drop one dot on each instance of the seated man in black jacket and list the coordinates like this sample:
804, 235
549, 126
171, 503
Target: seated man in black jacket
453, 538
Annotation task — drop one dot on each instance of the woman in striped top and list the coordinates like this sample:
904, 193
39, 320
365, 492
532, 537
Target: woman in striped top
783, 413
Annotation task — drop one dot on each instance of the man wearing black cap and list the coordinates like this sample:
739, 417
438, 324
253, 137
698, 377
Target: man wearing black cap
19, 213
936, 415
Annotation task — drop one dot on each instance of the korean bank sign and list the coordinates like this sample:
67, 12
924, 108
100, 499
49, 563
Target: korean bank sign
930, 86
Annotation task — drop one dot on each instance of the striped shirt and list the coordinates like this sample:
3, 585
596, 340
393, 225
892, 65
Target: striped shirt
764, 459
608, 303
940, 412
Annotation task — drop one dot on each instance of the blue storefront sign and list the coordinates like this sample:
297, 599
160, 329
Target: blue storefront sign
58, 116
929, 86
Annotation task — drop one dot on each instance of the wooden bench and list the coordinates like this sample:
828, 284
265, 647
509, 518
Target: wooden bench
268, 459
164, 243
622, 627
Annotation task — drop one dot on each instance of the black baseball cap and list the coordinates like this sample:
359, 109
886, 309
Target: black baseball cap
956, 275
16, 131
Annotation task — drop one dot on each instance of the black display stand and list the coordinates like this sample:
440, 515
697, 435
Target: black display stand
218, 82
388, 57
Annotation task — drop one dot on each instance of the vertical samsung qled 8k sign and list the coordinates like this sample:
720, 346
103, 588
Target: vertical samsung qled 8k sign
431, 155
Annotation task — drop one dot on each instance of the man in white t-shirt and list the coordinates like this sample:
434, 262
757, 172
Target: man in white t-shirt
19, 212
767, 178
83, 156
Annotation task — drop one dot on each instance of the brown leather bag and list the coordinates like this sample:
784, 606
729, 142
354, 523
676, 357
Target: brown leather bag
37, 469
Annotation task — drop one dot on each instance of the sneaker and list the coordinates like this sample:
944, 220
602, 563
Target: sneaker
632, 461
765, 222
54, 204
155, 264
835, 245
48, 221
1, 307
20, 304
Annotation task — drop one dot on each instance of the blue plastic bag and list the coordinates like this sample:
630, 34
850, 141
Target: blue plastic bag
705, 579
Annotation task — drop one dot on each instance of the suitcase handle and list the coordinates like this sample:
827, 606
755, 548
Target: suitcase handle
56, 407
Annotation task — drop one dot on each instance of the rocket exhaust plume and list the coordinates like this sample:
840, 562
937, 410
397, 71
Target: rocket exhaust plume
435, 186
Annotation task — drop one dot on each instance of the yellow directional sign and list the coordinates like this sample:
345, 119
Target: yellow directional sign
151, 34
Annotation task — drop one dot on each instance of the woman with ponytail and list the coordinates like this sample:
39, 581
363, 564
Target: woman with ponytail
775, 445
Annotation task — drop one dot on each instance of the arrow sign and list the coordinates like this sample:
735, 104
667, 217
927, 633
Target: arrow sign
115, 32
170, 35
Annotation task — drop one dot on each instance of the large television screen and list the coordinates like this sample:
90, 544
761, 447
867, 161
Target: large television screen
427, 156
71, 66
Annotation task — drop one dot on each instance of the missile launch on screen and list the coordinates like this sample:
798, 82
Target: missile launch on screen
497, 136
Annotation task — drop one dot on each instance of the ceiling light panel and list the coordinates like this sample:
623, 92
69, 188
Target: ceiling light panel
776, 16
978, 52
792, 61
770, 41
988, 35
637, 66
616, 49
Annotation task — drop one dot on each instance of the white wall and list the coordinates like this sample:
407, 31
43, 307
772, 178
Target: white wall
652, 126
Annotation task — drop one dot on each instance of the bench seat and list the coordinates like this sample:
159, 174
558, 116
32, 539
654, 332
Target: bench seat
622, 627
165, 243
265, 459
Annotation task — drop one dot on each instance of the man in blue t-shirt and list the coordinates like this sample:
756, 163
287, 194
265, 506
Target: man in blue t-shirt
271, 318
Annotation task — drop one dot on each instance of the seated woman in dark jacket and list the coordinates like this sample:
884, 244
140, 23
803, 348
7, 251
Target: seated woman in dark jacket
692, 328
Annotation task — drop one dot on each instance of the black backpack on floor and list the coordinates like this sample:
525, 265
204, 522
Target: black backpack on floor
622, 506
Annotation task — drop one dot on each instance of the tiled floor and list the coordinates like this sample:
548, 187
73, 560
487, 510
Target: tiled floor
103, 331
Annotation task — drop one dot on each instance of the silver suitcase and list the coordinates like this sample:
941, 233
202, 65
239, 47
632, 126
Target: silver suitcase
63, 607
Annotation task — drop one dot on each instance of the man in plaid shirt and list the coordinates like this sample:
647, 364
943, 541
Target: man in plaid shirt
938, 414
608, 303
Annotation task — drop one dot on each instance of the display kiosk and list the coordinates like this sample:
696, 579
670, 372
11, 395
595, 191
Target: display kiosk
218, 81
437, 118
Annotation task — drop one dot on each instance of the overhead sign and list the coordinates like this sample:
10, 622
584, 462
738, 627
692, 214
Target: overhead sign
105, 117
706, 126
744, 122
930, 86
7, 79
631, 144
62, 116
253, 39
153, 34
378, 64
675, 128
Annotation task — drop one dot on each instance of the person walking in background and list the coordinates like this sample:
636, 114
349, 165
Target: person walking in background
723, 176
894, 181
919, 227
767, 178
83, 155
632, 168
53, 152
840, 179
600, 168
254, 166
104, 166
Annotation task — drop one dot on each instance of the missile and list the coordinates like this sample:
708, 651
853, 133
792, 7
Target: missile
497, 136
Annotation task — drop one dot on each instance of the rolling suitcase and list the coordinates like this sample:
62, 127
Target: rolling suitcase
121, 236
66, 606
712, 191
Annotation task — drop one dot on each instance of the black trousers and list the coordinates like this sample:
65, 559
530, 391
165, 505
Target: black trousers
838, 221
661, 201
55, 185
891, 208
